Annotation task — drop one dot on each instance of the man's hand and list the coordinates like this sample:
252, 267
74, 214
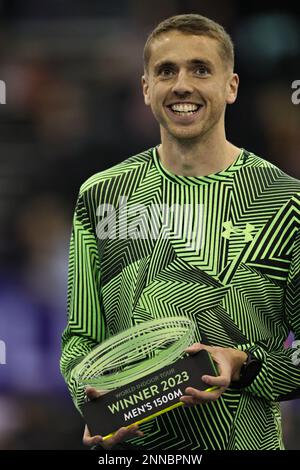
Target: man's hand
121, 435
229, 362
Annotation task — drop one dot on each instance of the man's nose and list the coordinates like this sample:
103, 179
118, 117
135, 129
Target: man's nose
182, 84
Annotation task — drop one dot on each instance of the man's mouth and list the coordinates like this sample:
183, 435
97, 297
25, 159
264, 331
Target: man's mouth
184, 109
184, 113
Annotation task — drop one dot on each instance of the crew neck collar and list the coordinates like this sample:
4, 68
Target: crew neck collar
227, 173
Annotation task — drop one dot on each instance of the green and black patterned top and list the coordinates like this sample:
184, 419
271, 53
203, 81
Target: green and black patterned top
231, 263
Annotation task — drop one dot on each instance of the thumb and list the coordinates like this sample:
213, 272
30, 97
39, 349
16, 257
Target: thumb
196, 347
93, 393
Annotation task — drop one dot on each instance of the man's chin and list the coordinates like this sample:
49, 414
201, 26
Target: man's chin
184, 135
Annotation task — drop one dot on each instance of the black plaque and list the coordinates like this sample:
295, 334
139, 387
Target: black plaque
149, 396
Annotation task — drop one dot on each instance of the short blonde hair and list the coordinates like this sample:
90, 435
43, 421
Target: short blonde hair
193, 24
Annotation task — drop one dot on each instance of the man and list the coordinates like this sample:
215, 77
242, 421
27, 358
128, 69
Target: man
237, 278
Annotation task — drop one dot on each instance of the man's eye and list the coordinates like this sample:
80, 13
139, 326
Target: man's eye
166, 72
202, 70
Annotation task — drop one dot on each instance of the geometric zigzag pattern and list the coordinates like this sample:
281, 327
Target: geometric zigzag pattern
231, 263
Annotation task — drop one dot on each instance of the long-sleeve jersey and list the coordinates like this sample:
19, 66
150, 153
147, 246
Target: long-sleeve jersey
223, 250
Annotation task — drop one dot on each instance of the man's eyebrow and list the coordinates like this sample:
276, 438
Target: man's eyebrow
169, 63
200, 62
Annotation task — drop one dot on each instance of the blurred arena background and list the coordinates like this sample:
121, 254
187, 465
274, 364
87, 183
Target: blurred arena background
73, 107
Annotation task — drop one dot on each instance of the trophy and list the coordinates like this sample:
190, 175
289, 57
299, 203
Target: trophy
142, 373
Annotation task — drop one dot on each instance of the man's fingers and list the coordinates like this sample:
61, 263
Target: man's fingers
194, 348
119, 436
200, 396
92, 441
220, 381
93, 393
187, 400
89, 440
124, 433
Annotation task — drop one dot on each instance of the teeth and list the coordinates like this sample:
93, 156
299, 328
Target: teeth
184, 107
185, 113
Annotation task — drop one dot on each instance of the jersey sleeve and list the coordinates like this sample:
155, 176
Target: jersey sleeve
279, 377
85, 327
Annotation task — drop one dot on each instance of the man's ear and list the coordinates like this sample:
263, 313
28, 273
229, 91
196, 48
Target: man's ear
145, 86
232, 88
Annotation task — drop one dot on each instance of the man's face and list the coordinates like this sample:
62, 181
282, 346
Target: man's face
188, 85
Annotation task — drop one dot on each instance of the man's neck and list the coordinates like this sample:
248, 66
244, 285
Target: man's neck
196, 159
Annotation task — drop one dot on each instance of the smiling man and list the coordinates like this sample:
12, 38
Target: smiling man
236, 274
187, 83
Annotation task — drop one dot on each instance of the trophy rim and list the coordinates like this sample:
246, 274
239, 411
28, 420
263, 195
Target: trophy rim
100, 359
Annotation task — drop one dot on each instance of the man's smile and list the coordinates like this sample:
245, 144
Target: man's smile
184, 113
